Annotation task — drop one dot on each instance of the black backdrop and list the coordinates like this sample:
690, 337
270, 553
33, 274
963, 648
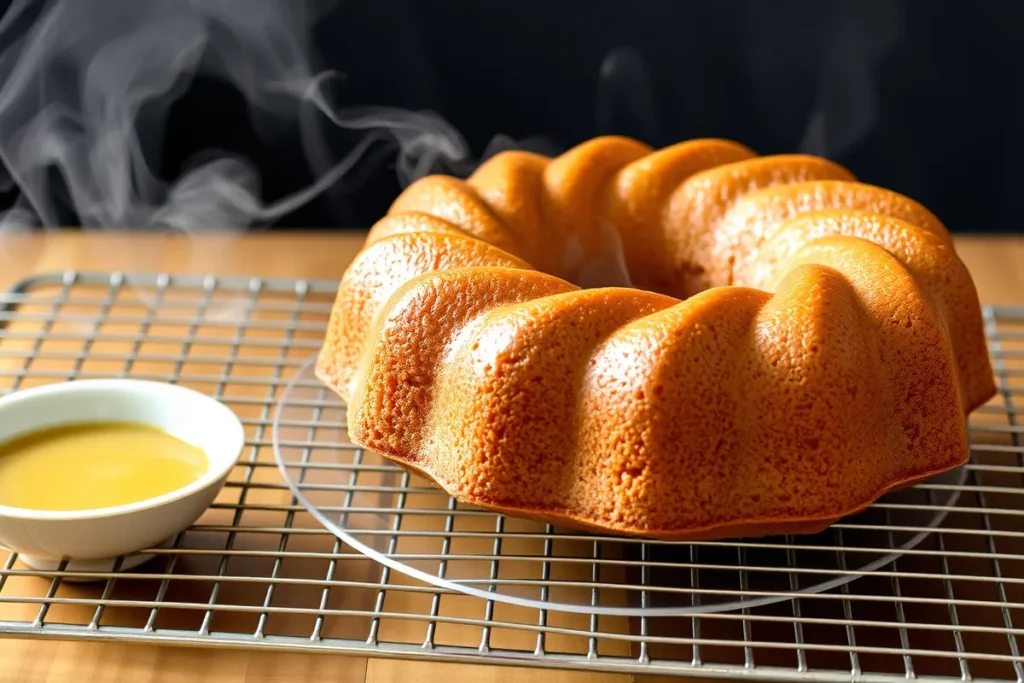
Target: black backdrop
925, 96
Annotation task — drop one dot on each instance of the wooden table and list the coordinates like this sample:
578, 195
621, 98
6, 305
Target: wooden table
995, 263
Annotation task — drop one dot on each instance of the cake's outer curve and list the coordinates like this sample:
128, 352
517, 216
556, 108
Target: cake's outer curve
816, 341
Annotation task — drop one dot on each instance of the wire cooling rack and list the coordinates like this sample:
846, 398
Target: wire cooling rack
258, 570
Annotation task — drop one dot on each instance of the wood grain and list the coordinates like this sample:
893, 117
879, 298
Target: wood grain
993, 261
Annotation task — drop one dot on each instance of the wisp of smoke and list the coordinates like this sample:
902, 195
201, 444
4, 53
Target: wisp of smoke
87, 85
846, 109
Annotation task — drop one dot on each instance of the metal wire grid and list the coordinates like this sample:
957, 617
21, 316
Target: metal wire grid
257, 570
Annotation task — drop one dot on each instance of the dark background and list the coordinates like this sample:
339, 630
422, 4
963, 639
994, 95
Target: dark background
925, 96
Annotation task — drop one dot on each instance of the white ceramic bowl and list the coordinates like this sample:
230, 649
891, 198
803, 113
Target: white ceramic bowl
92, 539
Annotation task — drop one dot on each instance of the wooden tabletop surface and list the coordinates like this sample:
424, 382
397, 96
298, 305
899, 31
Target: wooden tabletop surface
995, 262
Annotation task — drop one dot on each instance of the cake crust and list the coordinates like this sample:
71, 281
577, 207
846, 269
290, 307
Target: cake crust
691, 343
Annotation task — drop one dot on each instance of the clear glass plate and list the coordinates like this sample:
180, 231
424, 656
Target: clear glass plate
405, 523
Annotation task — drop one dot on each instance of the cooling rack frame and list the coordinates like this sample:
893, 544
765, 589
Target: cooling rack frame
241, 339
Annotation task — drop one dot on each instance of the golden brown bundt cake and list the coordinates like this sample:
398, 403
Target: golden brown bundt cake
689, 343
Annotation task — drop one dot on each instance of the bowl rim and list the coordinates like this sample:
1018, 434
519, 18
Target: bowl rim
203, 403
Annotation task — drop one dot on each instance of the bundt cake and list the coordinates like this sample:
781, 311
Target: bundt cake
690, 343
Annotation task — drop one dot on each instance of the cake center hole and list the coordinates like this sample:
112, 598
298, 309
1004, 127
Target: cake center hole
597, 261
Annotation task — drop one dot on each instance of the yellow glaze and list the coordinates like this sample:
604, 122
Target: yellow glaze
87, 466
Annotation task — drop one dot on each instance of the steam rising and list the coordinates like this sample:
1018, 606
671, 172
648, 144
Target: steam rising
847, 107
87, 85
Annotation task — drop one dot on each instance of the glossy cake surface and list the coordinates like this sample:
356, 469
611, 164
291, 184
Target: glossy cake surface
688, 343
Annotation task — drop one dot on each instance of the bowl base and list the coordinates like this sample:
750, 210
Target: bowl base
88, 567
